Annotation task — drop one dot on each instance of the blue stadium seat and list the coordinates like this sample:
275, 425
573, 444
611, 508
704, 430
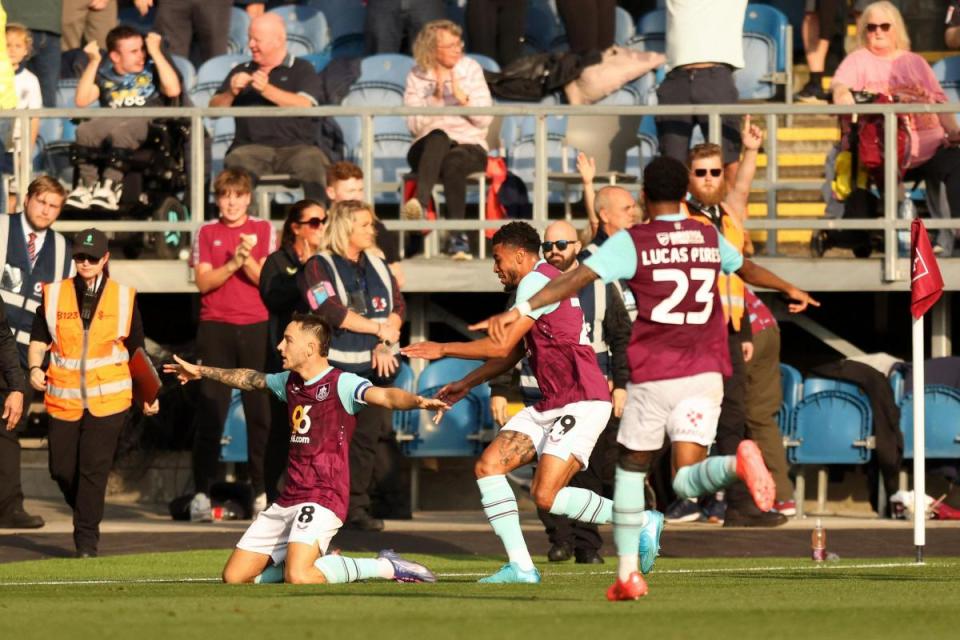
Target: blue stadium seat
898, 385
816, 385
651, 32
460, 431
307, 30
211, 74
624, 29
233, 443
830, 427
765, 46
488, 64
188, 73
947, 72
544, 30
238, 35
404, 420
319, 60
381, 74
791, 384
346, 20
941, 423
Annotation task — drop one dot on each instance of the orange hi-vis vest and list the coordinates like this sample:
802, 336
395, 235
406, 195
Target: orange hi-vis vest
88, 367
731, 286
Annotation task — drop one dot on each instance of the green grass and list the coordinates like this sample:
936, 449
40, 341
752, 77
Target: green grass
708, 599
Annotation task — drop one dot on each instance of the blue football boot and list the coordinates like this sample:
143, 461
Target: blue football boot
650, 541
511, 573
407, 570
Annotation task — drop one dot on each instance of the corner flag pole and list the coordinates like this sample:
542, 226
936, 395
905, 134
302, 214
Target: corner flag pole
919, 454
926, 287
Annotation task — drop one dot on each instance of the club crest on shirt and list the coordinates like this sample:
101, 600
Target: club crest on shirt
379, 303
323, 392
663, 238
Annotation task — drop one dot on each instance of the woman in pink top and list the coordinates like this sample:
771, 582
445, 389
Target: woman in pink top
227, 257
884, 64
446, 148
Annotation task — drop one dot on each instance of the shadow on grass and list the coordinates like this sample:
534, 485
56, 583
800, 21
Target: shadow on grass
440, 595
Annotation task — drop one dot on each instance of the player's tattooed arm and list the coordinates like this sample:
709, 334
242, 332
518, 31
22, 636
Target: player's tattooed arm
243, 379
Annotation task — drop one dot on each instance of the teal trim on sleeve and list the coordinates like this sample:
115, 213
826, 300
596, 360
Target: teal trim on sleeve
277, 384
616, 259
528, 287
351, 388
730, 259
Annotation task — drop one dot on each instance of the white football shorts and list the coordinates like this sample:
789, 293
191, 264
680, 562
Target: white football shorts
569, 430
686, 409
274, 528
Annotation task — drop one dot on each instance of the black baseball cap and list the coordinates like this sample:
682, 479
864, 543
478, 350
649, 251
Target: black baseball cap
91, 242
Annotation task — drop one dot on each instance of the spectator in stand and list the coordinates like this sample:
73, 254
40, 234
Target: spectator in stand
393, 23
136, 74
31, 254
90, 324
228, 255
704, 48
183, 23
43, 18
345, 182
86, 21
819, 28
764, 395
952, 35
301, 239
883, 63
19, 46
446, 148
265, 146
590, 24
350, 287
495, 28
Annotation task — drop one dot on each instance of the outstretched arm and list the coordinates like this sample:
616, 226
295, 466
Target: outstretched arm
560, 288
393, 398
243, 379
754, 274
456, 391
482, 349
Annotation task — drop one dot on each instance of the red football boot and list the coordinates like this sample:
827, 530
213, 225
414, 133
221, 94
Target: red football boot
633, 589
752, 470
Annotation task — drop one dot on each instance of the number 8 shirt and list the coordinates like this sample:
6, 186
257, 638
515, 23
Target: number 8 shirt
671, 266
322, 422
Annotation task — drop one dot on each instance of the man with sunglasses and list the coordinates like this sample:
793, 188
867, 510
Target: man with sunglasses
560, 430
712, 203
607, 327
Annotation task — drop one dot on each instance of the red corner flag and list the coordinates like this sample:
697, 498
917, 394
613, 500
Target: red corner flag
926, 283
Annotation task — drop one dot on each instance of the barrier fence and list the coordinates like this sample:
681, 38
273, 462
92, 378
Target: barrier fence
889, 223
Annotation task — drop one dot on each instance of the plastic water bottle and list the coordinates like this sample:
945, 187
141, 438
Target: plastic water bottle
818, 543
230, 510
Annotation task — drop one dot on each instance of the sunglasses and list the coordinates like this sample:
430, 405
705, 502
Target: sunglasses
80, 258
561, 245
313, 223
883, 26
702, 173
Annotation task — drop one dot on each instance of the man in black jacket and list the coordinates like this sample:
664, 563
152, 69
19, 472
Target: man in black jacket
12, 386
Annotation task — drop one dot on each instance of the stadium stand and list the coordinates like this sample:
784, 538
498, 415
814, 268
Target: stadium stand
210, 76
941, 427
345, 21
307, 30
239, 25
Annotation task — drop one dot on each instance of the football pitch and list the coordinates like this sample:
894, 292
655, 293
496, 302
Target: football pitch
176, 595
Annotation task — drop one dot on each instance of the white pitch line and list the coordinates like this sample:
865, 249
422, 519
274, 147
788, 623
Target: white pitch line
876, 565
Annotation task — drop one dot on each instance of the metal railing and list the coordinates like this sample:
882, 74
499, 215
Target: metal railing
889, 223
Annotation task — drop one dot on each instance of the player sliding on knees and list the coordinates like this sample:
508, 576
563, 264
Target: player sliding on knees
288, 542
677, 354
561, 429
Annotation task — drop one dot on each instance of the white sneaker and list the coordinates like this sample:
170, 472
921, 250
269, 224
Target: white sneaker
259, 504
412, 210
106, 196
80, 198
200, 509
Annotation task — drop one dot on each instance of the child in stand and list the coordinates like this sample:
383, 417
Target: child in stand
27, 88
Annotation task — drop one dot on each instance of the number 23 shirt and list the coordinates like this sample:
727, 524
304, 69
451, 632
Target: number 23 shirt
671, 266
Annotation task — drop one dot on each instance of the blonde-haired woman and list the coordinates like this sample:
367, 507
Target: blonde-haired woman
446, 148
884, 64
350, 286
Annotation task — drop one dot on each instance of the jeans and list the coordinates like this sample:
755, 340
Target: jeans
388, 21
45, 64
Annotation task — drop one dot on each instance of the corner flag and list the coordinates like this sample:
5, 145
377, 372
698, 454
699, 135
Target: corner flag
926, 287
